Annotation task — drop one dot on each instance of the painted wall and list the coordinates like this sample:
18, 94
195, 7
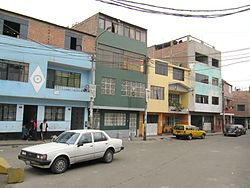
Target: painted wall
206, 69
24, 93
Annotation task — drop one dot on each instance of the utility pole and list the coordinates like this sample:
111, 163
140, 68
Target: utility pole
223, 107
147, 95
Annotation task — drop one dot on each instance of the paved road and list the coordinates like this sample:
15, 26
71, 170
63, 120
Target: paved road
217, 162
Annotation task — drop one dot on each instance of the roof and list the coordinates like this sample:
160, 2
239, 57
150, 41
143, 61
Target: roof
28, 17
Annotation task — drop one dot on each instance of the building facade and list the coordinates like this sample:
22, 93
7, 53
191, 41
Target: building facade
120, 74
169, 87
41, 82
241, 106
204, 61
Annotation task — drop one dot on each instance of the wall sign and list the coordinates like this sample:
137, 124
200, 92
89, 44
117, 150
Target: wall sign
37, 79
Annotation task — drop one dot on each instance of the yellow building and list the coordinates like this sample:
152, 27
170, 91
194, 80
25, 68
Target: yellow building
168, 103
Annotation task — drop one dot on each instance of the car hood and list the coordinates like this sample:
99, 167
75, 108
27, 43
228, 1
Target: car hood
46, 148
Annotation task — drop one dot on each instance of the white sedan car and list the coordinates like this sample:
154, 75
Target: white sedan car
72, 147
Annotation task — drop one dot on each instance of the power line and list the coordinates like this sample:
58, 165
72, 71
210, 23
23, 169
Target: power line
120, 3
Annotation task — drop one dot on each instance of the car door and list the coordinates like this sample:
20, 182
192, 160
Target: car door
85, 148
100, 144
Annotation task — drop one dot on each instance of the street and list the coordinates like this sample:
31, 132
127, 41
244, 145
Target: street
216, 161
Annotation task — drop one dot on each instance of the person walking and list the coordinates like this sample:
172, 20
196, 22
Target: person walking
43, 129
33, 128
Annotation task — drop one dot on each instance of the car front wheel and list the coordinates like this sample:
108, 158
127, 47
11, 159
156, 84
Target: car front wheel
108, 156
60, 165
203, 136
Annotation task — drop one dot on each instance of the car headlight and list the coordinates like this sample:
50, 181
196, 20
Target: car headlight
23, 152
41, 156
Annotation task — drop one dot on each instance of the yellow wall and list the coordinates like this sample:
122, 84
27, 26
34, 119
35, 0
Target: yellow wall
163, 81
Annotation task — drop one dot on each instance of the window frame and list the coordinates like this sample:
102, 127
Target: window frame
201, 58
215, 81
133, 89
8, 112
161, 68
54, 114
202, 78
157, 92
178, 74
215, 100
201, 99
108, 86
243, 106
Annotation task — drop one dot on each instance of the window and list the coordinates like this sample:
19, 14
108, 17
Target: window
102, 23
62, 78
115, 119
161, 68
201, 78
126, 31
8, 112
241, 107
114, 27
157, 93
215, 100
173, 99
133, 89
11, 29
215, 62
132, 33
178, 74
72, 43
215, 81
201, 99
143, 36
99, 137
152, 119
86, 138
54, 113
138, 35
201, 58
122, 59
12, 70
108, 86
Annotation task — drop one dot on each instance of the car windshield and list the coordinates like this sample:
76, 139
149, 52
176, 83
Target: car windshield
177, 127
67, 137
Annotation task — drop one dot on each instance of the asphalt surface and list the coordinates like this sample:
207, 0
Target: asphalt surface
160, 162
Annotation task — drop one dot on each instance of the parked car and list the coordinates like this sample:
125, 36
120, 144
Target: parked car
234, 130
72, 147
188, 131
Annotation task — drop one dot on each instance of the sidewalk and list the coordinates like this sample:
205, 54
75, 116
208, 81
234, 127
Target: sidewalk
32, 142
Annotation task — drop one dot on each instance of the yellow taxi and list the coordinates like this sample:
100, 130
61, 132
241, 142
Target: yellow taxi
188, 131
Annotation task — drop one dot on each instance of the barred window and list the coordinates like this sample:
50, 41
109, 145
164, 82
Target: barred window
54, 113
133, 89
173, 99
201, 78
8, 112
13, 70
62, 78
108, 86
201, 99
157, 93
115, 119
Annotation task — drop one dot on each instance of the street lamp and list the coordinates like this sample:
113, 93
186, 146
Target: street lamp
93, 86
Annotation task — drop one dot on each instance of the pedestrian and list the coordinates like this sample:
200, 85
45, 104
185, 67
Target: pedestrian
43, 129
33, 127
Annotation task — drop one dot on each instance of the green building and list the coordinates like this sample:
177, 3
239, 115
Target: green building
120, 73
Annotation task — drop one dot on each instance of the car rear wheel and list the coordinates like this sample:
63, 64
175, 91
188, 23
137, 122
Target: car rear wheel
177, 136
60, 165
108, 156
189, 137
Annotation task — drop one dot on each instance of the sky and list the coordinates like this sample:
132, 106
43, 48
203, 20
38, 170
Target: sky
230, 34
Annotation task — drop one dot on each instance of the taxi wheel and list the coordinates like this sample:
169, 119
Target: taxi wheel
189, 137
203, 136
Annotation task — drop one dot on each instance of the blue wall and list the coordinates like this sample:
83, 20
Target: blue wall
42, 57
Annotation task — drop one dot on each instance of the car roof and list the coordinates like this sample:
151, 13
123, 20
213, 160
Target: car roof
184, 125
84, 130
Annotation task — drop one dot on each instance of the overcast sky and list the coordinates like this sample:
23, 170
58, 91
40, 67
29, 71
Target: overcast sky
226, 34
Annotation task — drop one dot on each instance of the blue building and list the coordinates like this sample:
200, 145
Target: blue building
42, 82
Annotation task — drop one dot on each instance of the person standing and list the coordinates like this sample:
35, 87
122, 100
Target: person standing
43, 129
33, 128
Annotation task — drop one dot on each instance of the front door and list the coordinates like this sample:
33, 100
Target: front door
85, 151
77, 117
30, 113
132, 124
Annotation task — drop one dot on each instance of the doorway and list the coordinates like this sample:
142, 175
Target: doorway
77, 118
30, 112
